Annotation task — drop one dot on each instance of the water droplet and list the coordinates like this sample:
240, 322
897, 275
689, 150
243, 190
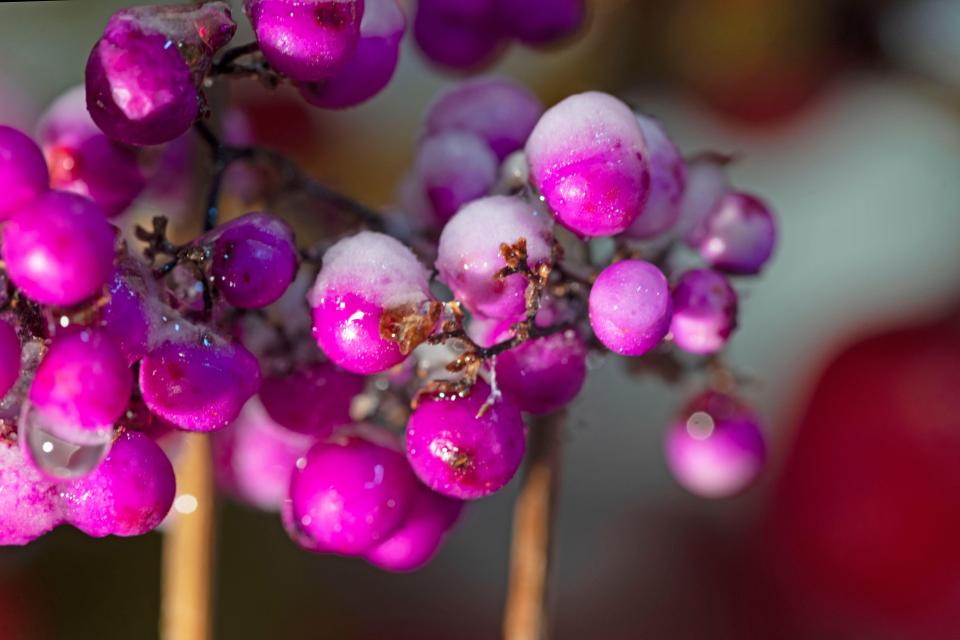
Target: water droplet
59, 451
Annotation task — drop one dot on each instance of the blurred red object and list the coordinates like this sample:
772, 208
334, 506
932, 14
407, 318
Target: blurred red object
864, 528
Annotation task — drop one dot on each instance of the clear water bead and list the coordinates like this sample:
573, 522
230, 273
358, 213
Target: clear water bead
61, 451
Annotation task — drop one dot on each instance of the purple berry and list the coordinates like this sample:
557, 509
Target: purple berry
588, 158
254, 260
306, 40
706, 184
129, 494
738, 236
454, 168
83, 160
704, 311
312, 400
539, 22
468, 256
370, 68
198, 386
255, 457
9, 357
28, 502
716, 449
142, 75
419, 537
126, 316
460, 34
350, 494
363, 277
460, 454
499, 110
23, 171
59, 249
630, 307
668, 175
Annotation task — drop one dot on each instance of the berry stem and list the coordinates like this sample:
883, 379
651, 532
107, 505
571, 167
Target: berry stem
188, 548
526, 614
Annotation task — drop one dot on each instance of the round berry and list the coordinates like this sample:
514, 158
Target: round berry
738, 235
460, 34
704, 311
312, 400
23, 171
630, 307
668, 175
454, 168
254, 260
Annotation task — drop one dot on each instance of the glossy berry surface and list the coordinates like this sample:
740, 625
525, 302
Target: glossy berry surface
311, 400
715, 449
23, 171
630, 307
198, 386
460, 455
58, 249
588, 158
362, 277
738, 235
350, 494
704, 311
306, 40
468, 256
254, 260
128, 494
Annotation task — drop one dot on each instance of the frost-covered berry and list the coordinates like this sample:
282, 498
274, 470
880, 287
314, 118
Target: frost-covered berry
198, 386
420, 535
23, 171
306, 40
630, 307
715, 449
468, 256
9, 357
351, 493
28, 502
142, 75
128, 494
83, 160
363, 277
704, 311
254, 457
254, 260
454, 168
311, 400
588, 158
460, 454
738, 235
460, 34
668, 175
370, 67
499, 110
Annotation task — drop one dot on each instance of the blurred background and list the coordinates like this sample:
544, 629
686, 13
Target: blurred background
845, 115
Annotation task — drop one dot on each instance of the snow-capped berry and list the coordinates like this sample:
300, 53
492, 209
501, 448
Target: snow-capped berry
198, 386
83, 160
254, 260
707, 182
372, 64
311, 400
454, 168
59, 248
539, 22
588, 158
738, 236
468, 256
254, 457
28, 502
704, 311
418, 538
715, 449
461, 34
23, 171
499, 110
306, 40
668, 175
142, 75
363, 277
128, 494
460, 454
9, 357
630, 307
350, 493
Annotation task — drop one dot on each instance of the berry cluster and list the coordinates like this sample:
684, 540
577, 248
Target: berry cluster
438, 330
